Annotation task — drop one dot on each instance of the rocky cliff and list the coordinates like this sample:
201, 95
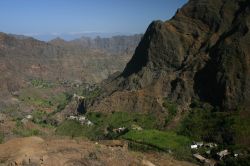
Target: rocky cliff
202, 53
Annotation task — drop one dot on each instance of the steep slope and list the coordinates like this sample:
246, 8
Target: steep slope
202, 53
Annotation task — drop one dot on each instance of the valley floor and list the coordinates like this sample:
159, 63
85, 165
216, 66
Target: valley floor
40, 125
38, 141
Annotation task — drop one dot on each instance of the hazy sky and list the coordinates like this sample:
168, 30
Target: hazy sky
55, 17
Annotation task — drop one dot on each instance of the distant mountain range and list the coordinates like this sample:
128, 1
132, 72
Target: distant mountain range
75, 35
84, 59
113, 45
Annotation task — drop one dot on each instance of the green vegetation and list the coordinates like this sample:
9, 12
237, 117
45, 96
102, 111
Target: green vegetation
162, 140
37, 101
35, 97
45, 102
45, 98
229, 129
226, 128
23, 131
241, 127
124, 119
41, 83
75, 129
91, 94
200, 124
171, 108
105, 123
38, 116
207, 125
62, 100
231, 161
71, 128
1, 137
26, 132
147, 139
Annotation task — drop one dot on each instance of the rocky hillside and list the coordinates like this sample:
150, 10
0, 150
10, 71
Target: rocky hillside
202, 53
23, 58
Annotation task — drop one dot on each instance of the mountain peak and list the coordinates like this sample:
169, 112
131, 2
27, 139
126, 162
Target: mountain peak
201, 53
57, 39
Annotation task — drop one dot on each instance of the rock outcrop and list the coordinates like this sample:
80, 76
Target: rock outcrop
202, 53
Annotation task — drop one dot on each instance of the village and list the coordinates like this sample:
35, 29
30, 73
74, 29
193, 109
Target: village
207, 153
210, 153
204, 152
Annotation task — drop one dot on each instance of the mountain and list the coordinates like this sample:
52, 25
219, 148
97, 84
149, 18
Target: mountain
113, 45
202, 53
24, 58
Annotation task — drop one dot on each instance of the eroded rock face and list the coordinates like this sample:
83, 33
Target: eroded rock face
201, 53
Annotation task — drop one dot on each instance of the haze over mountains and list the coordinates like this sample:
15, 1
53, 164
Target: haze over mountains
113, 45
85, 59
75, 35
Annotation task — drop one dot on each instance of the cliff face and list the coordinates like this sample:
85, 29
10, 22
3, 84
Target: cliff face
201, 53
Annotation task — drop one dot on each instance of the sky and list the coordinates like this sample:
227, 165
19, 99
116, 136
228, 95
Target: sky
46, 19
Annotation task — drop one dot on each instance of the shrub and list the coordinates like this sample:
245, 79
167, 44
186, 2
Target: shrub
171, 108
71, 128
207, 125
63, 100
38, 116
26, 132
141, 147
75, 129
41, 83
241, 127
232, 161
93, 93
1, 137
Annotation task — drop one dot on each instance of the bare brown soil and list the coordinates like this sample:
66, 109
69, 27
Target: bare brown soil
64, 151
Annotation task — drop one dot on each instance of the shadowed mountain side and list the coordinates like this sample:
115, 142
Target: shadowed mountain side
201, 53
